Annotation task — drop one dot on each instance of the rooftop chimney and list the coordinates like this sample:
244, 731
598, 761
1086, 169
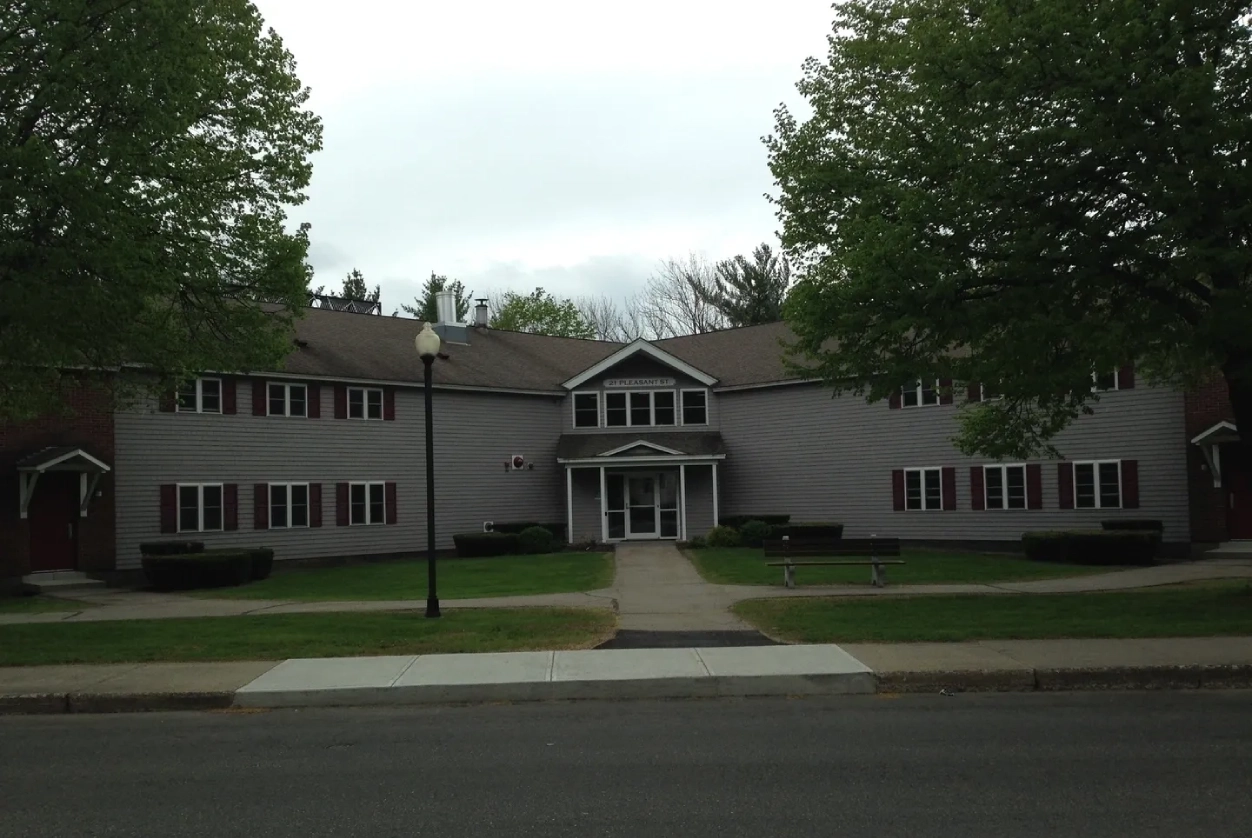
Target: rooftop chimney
480, 313
445, 307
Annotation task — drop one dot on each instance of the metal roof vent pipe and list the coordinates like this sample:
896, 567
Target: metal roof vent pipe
445, 307
480, 313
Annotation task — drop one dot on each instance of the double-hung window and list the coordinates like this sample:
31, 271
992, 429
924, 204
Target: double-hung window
640, 409
199, 507
289, 505
1098, 484
288, 400
695, 407
586, 410
923, 488
200, 395
925, 393
365, 403
616, 414
1110, 380
663, 407
1005, 486
367, 504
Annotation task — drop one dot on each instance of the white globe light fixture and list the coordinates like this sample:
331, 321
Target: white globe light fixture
427, 343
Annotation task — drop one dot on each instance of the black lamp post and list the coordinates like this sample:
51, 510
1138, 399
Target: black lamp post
428, 349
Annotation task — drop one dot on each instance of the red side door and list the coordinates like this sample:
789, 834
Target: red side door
1238, 479
53, 515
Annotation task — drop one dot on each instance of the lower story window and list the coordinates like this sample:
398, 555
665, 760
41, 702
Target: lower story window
199, 507
923, 488
367, 503
1098, 484
1005, 487
289, 505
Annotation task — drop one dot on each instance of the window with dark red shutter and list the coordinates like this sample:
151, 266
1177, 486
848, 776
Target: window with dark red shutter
945, 392
1130, 484
897, 489
169, 508
1065, 484
1034, 486
389, 404
315, 401
391, 502
230, 506
341, 401
949, 488
259, 396
977, 494
315, 504
341, 505
261, 506
229, 401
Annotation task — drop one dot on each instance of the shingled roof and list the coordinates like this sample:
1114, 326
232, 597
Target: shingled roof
335, 344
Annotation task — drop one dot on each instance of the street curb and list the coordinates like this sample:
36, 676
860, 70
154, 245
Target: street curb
34, 704
148, 702
1120, 678
993, 680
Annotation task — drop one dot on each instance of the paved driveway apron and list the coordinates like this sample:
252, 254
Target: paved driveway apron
657, 589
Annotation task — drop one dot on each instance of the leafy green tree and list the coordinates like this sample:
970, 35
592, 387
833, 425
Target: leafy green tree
354, 287
426, 307
749, 293
540, 313
1022, 192
148, 154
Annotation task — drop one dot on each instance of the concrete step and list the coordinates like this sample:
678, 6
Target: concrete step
61, 581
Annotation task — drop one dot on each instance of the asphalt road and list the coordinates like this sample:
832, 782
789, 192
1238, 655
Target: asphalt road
1169, 764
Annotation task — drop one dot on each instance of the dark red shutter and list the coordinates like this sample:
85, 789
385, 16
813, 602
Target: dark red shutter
389, 495
1130, 484
167, 402
315, 504
948, 473
341, 401
229, 405
259, 394
230, 506
897, 489
973, 392
1065, 484
314, 401
894, 401
341, 505
1034, 486
1126, 377
977, 494
945, 392
261, 506
389, 404
169, 508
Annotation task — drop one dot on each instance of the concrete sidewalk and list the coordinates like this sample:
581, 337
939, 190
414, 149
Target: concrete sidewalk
1164, 663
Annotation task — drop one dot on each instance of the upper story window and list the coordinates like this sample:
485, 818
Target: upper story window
586, 410
1098, 484
639, 408
200, 395
663, 408
365, 403
923, 488
199, 507
1005, 486
288, 400
925, 393
695, 407
1111, 380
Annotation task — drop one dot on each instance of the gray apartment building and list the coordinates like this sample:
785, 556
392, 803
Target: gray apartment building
646, 440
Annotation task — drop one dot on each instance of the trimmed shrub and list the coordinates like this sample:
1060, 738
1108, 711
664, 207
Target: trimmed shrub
1092, 547
1134, 524
724, 536
754, 533
170, 548
697, 543
737, 521
813, 529
557, 531
262, 561
207, 569
534, 540
472, 545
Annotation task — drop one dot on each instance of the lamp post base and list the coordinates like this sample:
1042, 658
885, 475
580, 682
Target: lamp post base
432, 607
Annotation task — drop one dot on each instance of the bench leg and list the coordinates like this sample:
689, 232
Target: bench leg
877, 575
789, 576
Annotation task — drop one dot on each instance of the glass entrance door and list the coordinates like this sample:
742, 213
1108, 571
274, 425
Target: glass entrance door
641, 506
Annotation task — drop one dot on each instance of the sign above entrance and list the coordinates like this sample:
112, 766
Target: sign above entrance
638, 382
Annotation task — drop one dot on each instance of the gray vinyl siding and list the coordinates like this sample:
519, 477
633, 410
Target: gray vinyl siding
796, 450
640, 368
474, 435
699, 500
587, 519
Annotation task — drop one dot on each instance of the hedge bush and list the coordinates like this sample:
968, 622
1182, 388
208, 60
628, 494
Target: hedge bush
472, 545
170, 548
810, 529
262, 561
1092, 547
206, 569
534, 540
1134, 524
754, 533
557, 531
737, 521
724, 536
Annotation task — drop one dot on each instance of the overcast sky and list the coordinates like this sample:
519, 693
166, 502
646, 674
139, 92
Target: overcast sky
563, 143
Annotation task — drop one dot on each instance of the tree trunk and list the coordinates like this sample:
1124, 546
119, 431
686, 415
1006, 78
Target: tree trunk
1238, 373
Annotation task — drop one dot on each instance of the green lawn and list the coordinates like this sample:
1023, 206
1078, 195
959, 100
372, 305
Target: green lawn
746, 566
1223, 608
304, 635
458, 579
34, 604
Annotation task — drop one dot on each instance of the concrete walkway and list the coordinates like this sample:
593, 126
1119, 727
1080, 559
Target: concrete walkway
657, 589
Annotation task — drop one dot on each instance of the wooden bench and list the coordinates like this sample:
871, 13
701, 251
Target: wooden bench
868, 551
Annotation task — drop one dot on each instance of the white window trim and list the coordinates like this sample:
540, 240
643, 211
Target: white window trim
367, 483
365, 404
573, 415
922, 470
1004, 487
681, 418
286, 399
983, 397
308, 509
1095, 472
178, 408
918, 391
1117, 383
199, 487
651, 408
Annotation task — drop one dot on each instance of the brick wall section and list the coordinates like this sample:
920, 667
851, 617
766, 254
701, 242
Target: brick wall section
1205, 407
89, 425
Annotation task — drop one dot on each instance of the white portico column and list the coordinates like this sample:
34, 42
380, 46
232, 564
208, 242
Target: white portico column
682, 501
569, 505
716, 514
604, 516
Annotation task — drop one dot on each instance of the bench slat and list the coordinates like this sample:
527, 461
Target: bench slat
822, 564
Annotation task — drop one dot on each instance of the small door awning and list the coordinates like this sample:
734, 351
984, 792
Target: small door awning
64, 458
635, 448
1223, 433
